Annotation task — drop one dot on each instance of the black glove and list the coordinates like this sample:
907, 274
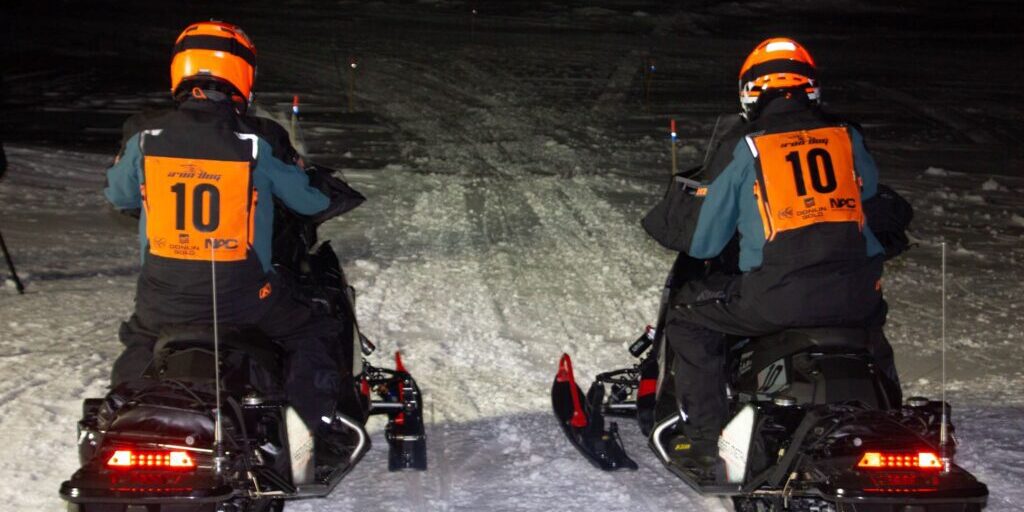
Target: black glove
343, 197
889, 215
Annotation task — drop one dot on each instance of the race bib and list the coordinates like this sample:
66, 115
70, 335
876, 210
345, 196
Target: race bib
198, 209
805, 178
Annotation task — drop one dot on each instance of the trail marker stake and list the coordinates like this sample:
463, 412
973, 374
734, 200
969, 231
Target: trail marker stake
675, 153
472, 19
473, 11
352, 65
649, 69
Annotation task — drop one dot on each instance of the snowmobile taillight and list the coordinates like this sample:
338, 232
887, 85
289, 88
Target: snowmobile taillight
158, 460
880, 460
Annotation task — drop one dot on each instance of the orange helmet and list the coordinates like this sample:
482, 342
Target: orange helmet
213, 51
777, 63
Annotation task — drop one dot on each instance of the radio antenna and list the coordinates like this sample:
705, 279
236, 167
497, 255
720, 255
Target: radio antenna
943, 428
707, 152
217, 442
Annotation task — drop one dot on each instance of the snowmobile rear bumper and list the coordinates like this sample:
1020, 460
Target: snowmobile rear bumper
92, 488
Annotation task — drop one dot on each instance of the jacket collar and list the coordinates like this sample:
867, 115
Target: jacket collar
218, 106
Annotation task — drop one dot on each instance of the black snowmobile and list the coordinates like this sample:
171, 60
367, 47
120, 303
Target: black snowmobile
812, 426
164, 443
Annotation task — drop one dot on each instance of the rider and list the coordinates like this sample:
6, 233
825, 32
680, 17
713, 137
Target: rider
205, 178
792, 182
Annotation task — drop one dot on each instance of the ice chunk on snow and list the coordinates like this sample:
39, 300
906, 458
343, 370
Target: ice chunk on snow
992, 185
936, 171
367, 266
1017, 219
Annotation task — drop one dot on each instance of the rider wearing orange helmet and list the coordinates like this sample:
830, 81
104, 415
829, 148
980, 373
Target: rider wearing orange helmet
782, 202
218, 58
205, 177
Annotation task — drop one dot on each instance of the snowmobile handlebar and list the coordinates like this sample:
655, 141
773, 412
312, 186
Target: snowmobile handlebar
343, 198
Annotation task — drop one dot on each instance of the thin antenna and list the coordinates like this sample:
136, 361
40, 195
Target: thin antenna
218, 446
943, 428
714, 131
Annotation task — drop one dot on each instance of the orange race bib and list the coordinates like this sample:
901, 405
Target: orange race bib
804, 178
198, 209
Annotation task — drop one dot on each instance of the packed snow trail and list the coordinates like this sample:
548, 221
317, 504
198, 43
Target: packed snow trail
503, 231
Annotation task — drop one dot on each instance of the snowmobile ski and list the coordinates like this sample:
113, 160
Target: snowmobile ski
405, 433
583, 422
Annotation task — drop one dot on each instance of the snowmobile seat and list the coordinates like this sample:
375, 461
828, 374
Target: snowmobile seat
249, 360
246, 339
832, 339
819, 339
763, 351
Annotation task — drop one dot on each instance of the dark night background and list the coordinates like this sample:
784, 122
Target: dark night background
946, 73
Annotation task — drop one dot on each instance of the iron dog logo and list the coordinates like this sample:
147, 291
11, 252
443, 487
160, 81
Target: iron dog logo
802, 139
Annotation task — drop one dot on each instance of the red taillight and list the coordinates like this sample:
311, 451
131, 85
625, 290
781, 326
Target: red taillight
133, 459
920, 460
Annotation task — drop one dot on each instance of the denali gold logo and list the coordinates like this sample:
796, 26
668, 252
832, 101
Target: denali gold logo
786, 213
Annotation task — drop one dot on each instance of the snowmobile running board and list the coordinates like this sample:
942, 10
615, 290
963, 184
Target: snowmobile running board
582, 421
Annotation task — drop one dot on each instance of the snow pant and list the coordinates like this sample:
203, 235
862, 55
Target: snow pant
705, 314
315, 372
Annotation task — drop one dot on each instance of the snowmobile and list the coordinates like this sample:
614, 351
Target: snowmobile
170, 443
813, 426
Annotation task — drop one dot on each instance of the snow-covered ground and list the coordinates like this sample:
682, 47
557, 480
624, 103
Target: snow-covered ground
508, 158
